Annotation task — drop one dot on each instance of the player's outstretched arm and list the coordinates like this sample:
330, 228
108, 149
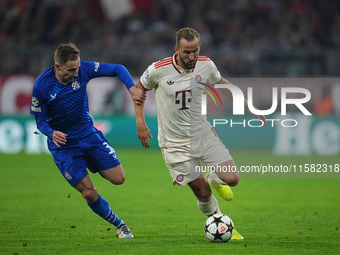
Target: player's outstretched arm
138, 95
226, 92
229, 95
143, 132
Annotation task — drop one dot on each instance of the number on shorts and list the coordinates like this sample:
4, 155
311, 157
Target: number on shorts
108, 146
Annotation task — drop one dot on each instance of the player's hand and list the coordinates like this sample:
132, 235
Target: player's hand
138, 95
143, 134
59, 138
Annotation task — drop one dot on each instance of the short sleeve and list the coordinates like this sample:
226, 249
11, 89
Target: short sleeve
215, 75
38, 102
149, 78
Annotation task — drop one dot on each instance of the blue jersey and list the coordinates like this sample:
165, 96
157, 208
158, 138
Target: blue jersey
65, 106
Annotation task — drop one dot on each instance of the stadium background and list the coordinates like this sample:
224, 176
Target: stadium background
253, 40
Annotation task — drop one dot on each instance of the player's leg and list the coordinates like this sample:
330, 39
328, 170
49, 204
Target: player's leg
87, 190
102, 158
223, 176
96, 202
100, 206
72, 165
224, 172
206, 201
114, 174
221, 185
227, 174
183, 171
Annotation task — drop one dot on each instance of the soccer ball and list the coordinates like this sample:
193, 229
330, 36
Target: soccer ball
219, 228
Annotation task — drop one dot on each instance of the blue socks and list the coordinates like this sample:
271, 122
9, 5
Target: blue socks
103, 209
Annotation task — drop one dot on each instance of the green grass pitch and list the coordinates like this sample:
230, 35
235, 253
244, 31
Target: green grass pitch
41, 214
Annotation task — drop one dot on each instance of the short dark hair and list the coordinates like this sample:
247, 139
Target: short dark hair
66, 52
188, 34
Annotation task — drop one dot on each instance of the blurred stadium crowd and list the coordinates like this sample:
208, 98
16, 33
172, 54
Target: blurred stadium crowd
243, 37
258, 44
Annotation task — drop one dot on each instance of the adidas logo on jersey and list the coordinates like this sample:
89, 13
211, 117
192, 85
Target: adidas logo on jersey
170, 82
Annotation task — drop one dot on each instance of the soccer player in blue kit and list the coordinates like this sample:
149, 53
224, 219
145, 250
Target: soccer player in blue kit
60, 106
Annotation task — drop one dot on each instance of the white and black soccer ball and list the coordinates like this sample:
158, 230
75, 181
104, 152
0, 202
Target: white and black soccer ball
219, 228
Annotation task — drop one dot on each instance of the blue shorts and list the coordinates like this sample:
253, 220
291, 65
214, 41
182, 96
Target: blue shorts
93, 152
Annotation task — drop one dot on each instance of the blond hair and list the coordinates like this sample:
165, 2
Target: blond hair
66, 52
188, 34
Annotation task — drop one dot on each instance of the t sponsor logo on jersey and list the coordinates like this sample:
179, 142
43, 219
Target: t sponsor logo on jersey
183, 98
75, 85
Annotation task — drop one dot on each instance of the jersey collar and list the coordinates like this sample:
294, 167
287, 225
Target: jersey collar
178, 68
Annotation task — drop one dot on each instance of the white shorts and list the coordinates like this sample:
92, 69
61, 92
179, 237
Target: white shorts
184, 162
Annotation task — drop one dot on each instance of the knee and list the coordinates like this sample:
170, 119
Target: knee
90, 195
118, 180
114, 175
232, 180
235, 181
